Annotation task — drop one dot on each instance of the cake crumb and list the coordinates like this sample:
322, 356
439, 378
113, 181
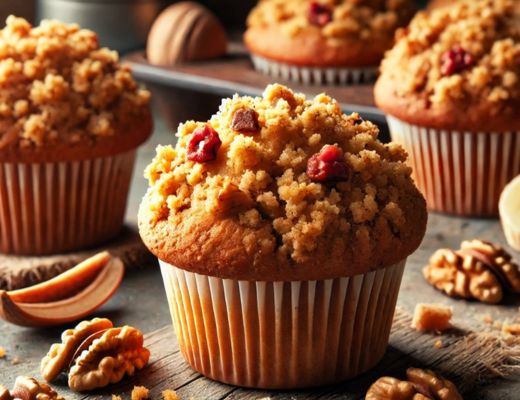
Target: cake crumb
3, 352
487, 319
439, 344
511, 329
116, 397
140, 393
431, 317
169, 395
15, 361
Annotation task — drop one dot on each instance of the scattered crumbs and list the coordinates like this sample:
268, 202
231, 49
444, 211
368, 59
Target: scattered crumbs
487, 319
2, 352
169, 395
140, 393
15, 360
116, 397
439, 344
511, 329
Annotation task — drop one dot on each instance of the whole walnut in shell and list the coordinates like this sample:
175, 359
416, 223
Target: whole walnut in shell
184, 32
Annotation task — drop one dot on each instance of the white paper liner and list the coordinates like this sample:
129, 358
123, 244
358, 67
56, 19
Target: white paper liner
314, 75
459, 173
282, 334
512, 234
51, 208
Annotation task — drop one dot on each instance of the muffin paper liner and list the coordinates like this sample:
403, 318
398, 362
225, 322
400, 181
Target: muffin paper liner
51, 208
459, 172
512, 235
314, 75
282, 334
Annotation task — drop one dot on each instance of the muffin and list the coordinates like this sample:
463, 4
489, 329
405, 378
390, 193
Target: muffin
71, 120
451, 90
282, 227
329, 41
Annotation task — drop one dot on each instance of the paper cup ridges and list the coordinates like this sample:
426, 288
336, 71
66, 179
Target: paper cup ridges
459, 173
282, 334
57, 207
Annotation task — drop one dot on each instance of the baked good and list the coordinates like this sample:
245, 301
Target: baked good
451, 89
71, 119
185, 31
323, 41
279, 200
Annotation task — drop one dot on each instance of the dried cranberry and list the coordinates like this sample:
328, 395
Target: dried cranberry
327, 165
319, 14
245, 120
455, 60
204, 144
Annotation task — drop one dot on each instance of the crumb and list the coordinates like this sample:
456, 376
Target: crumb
431, 317
439, 344
2, 352
140, 393
169, 395
511, 329
15, 360
116, 397
487, 319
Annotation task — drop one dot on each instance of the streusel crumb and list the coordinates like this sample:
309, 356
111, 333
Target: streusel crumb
365, 20
58, 85
169, 395
262, 179
140, 393
485, 35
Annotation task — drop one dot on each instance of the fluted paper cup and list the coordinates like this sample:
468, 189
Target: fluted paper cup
460, 173
282, 334
314, 75
50, 208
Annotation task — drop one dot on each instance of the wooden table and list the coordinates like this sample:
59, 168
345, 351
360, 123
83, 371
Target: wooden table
141, 302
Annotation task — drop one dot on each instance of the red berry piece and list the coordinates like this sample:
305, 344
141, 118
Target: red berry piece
319, 14
245, 120
204, 144
327, 165
455, 60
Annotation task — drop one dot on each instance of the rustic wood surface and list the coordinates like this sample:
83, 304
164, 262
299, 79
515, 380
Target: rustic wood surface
141, 302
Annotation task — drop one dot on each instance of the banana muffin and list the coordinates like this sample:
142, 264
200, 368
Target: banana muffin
71, 119
451, 90
324, 41
280, 200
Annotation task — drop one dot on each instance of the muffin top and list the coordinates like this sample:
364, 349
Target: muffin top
281, 188
326, 32
61, 91
456, 67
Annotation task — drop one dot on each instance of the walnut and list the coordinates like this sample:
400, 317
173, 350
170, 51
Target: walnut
117, 352
431, 385
26, 388
461, 276
421, 385
61, 354
497, 259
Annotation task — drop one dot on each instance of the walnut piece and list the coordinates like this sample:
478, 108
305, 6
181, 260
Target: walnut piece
26, 388
431, 317
421, 385
117, 352
60, 355
463, 276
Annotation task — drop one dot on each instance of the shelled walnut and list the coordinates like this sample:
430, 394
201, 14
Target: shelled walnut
421, 385
478, 270
97, 353
26, 388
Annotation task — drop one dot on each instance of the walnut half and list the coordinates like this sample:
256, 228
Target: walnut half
26, 388
421, 385
118, 352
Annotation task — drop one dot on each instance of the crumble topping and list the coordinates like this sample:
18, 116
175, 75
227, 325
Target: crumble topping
58, 85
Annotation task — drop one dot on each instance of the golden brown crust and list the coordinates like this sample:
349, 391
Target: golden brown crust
418, 86
357, 36
255, 213
124, 139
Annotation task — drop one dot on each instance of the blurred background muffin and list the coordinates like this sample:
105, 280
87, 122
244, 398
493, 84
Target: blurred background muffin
451, 89
71, 118
328, 41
